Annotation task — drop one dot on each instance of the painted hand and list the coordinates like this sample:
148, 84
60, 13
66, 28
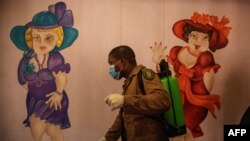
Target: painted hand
158, 52
25, 86
102, 139
115, 101
54, 100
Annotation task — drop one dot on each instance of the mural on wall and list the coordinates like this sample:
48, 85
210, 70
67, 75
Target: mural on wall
42, 70
194, 65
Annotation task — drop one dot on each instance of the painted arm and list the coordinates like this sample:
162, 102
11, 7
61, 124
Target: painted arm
22, 68
59, 69
171, 68
57, 96
61, 80
209, 80
209, 70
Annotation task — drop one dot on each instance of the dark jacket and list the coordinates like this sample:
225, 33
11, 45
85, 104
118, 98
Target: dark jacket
137, 106
245, 119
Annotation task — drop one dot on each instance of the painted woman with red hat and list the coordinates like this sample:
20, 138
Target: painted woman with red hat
194, 65
42, 71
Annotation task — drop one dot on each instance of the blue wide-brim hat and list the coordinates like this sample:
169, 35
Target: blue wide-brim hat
56, 16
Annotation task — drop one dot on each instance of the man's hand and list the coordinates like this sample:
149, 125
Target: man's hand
115, 101
158, 53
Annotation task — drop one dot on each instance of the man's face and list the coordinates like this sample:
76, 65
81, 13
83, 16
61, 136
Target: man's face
117, 63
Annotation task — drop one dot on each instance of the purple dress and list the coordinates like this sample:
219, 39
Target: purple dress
40, 84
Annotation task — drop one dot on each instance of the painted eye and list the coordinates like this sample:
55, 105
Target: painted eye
192, 35
36, 37
49, 38
206, 37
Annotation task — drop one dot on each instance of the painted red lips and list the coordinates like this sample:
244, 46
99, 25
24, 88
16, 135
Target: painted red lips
197, 46
42, 47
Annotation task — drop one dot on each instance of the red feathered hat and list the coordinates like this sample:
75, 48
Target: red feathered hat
218, 38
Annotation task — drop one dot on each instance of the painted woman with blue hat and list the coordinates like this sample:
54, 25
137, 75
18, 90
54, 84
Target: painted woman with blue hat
43, 71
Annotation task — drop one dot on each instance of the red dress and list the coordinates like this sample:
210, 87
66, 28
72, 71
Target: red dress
197, 101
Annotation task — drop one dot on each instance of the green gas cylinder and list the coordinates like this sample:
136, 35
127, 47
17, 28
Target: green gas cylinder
175, 115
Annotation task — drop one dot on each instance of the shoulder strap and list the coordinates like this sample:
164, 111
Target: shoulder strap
171, 130
141, 86
140, 82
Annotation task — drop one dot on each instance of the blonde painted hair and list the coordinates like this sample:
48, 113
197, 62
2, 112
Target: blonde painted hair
58, 30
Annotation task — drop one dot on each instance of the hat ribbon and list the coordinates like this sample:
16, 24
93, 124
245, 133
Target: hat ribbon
65, 17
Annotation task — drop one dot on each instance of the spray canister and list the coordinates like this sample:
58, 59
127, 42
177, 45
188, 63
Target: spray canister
175, 115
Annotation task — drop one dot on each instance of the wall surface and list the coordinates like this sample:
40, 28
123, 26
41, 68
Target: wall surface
104, 24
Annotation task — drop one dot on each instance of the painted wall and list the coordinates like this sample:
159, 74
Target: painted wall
104, 24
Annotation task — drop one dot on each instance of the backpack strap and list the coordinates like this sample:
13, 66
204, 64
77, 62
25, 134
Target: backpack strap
141, 86
171, 130
140, 82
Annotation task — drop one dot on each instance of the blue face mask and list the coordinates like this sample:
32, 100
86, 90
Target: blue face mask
113, 73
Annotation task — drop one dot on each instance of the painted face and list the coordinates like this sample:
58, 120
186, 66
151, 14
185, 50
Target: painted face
44, 41
198, 41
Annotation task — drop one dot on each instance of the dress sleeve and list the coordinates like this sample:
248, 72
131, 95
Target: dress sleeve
24, 67
206, 61
56, 63
172, 57
20, 71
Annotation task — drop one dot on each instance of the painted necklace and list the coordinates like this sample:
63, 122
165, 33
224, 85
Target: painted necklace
39, 82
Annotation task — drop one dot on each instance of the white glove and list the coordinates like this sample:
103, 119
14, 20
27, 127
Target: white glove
115, 101
102, 139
